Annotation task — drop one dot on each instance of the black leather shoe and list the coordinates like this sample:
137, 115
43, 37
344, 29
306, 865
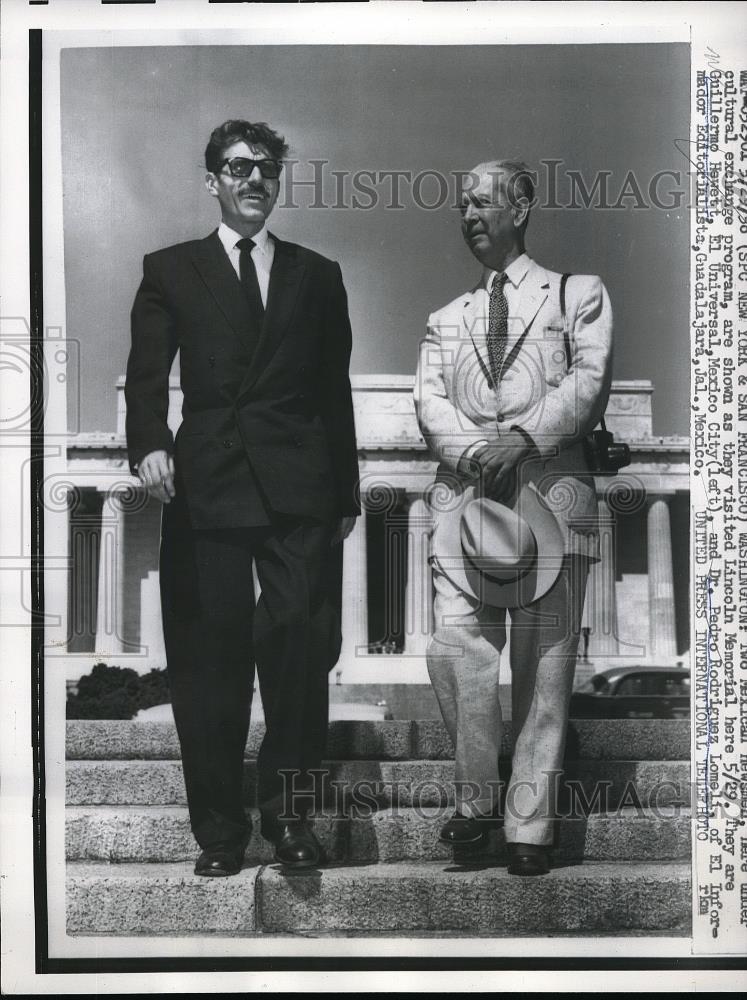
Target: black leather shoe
220, 860
467, 831
296, 845
528, 859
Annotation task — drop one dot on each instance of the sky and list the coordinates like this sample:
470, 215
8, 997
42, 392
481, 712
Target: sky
135, 122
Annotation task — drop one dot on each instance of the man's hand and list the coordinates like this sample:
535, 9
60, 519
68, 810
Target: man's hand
343, 529
156, 473
498, 464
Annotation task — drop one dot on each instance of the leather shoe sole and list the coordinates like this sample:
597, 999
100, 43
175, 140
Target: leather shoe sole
528, 859
220, 862
296, 846
312, 862
467, 831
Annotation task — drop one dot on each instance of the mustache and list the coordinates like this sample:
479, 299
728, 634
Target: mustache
253, 189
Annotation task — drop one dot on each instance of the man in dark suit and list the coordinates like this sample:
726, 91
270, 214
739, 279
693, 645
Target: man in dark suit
263, 472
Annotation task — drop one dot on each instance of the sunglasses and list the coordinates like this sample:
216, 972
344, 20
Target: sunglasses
241, 166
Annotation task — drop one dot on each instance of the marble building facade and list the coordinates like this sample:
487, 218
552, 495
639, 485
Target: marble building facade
637, 602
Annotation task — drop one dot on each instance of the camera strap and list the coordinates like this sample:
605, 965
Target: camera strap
566, 337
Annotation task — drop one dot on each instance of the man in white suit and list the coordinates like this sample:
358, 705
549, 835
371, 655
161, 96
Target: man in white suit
509, 383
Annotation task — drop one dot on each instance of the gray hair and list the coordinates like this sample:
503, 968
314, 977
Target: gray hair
519, 181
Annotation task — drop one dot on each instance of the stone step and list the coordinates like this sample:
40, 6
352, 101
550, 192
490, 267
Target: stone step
162, 834
596, 739
628, 835
399, 898
381, 783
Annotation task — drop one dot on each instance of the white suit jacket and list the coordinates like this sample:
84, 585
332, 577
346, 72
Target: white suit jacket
555, 403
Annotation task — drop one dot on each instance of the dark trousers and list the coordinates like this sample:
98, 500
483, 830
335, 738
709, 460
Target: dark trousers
214, 634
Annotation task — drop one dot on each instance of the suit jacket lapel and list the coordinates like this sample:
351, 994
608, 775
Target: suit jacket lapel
475, 324
532, 294
216, 270
286, 278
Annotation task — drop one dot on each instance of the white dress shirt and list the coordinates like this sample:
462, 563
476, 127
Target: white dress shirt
263, 253
515, 272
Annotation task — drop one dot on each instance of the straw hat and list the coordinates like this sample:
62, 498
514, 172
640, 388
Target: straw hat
504, 556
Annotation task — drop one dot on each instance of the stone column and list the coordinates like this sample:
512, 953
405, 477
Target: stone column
662, 637
151, 626
110, 595
418, 611
602, 593
84, 521
354, 601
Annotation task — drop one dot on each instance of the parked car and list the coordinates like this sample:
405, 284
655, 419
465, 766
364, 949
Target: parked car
634, 693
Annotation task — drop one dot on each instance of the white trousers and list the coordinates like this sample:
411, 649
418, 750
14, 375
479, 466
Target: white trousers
463, 663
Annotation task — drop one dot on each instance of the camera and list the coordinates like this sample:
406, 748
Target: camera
604, 455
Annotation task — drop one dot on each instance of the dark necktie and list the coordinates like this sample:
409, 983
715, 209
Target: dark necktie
497, 327
249, 282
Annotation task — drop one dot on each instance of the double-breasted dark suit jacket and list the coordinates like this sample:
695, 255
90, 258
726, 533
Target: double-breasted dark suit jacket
267, 413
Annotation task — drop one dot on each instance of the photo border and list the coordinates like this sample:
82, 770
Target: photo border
45, 965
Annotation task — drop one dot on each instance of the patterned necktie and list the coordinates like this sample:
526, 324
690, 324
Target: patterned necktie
249, 282
497, 327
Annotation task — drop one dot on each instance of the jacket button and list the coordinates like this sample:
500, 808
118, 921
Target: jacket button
228, 443
297, 443
499, 418
211, 361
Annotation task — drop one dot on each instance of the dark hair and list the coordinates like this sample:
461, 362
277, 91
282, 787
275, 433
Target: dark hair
252, 133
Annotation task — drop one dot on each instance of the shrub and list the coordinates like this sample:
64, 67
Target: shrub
116, 693
154, 689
